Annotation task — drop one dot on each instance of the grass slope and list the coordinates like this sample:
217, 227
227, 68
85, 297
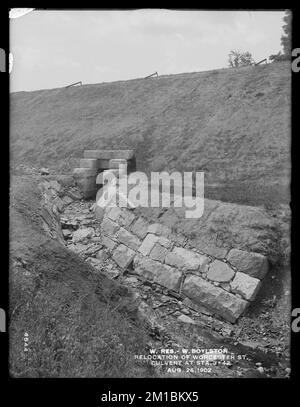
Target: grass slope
79, 324
234, 124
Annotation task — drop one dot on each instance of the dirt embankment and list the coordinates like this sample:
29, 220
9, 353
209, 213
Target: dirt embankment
233, 124
78, 324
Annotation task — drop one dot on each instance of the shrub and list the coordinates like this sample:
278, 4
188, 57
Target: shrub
238, 58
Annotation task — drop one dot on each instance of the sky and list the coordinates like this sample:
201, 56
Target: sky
54, 48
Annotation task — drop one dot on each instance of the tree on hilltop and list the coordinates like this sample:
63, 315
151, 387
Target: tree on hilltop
238, 58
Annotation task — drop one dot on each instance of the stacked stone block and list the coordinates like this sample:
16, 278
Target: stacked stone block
95, 162
153, 252
105, 156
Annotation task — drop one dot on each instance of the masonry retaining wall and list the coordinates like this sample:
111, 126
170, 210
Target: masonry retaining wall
153, 252
224, 285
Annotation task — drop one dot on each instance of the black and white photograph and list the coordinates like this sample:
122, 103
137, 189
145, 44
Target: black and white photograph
150, 190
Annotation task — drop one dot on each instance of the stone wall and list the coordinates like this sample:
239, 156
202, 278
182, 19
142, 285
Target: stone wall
155, 253
222, 278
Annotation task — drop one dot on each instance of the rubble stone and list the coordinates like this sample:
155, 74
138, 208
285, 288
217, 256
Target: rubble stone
109, 227
65, 180
81, 234
99, 213
253, 264
126, 218
113, 213
132, 280
54, 185
165, 242
109, 243
220, 272
158, 273
158, 253
214, 298
159, 229
186, 259
66, 234
245, 285
140, 227
147, 244
67, 200
44, 171
74, 194
122, 216
91, 249
102, 255
77, 248
59, 204
128, 239
123, 256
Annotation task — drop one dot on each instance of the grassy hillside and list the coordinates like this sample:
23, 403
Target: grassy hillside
234, 124
79, 323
